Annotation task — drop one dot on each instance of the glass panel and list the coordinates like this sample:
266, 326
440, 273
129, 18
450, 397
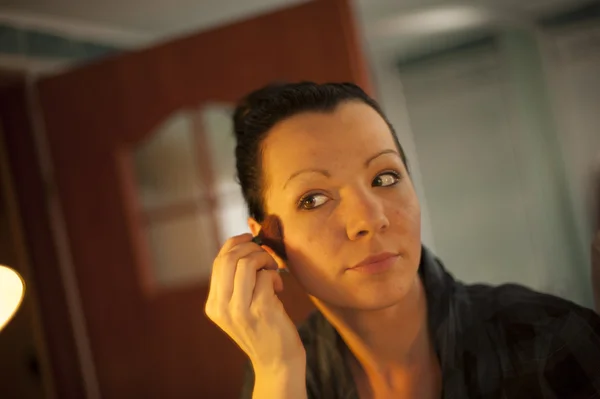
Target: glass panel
182, 249
180, 235
232, 215
182, 238
166, 165
231, 208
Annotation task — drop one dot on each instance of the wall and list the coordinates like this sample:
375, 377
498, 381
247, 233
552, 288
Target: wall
572, 53
488, 160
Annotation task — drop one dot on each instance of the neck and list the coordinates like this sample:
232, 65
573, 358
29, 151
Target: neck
385, 340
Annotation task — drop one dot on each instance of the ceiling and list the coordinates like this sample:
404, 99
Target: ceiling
136, 22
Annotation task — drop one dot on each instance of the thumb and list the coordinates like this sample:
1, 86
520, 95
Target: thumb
277, 282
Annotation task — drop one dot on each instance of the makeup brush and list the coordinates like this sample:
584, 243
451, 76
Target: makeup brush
271, 235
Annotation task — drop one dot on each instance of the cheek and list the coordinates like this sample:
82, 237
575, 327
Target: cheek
407, 215
310, 242
308, 228
413, 212
316, 242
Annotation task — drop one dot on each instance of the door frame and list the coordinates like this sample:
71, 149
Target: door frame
32, 184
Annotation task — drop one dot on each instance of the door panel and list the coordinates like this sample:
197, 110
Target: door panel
148, 339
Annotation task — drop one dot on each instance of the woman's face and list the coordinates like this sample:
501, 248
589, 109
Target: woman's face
338, 184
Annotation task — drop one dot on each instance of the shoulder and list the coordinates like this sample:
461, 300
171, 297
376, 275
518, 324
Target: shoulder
514, 304
537, 334
520, 312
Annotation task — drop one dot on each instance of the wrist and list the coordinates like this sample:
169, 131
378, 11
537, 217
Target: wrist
288, 381
281, 369
291, 361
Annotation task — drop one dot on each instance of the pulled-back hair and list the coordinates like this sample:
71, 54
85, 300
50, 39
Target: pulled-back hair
262, 109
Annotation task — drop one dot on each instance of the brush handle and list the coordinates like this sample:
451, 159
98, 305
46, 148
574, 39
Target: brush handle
258, 241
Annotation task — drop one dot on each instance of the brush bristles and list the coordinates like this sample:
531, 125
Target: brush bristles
271, 235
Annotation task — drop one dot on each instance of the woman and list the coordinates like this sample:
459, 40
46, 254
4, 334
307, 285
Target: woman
391, 322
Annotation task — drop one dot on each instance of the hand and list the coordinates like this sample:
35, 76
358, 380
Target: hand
242, 301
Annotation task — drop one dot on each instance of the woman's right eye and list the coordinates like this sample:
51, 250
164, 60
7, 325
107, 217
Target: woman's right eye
312, 201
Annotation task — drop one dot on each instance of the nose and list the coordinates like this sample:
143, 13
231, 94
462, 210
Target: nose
365, 215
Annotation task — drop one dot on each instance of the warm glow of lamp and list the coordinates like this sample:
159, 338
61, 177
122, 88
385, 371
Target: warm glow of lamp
12, 291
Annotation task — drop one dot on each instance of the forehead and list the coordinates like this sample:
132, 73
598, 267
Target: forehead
352, 132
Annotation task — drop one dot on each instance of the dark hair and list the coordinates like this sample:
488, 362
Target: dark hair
260, 110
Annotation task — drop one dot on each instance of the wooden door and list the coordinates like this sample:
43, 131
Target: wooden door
107, 125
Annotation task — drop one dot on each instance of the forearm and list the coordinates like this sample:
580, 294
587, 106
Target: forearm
285, 383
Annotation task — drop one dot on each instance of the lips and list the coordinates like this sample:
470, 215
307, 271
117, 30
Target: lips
376, 263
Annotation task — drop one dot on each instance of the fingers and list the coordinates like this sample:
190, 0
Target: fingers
226, 265
277, 282
221, 280
221, 286
234, 275
263, 290
246, 275
233, 242
229, 244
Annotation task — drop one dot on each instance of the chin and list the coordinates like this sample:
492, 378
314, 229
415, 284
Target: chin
371, 296
378, 298
360, 291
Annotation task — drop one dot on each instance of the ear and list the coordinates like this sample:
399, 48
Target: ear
254, 226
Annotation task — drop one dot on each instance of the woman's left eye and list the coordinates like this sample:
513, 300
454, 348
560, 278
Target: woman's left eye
386, 179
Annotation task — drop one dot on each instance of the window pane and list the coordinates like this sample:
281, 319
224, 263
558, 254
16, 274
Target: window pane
231, 208
182, 249
167, 165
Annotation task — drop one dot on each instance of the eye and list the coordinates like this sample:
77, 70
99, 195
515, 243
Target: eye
312, 201
386, 179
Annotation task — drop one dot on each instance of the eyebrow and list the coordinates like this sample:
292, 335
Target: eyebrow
328, 175
384, 152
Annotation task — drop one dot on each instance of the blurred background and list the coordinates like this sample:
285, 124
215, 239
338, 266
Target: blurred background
118, 185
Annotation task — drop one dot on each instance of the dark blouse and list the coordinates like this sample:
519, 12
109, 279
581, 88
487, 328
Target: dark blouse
492, 342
